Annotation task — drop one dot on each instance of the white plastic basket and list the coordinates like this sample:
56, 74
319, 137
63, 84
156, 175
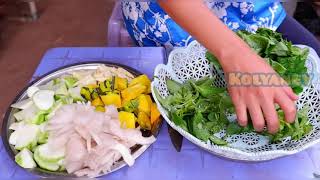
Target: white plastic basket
191, 63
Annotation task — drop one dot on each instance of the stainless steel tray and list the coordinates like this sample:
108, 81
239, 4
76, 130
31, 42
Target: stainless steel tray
137, 150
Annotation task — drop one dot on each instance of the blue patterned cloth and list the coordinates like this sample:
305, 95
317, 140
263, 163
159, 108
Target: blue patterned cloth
149, 25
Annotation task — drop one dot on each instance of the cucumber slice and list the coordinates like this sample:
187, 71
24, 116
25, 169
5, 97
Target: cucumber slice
49, 155
26, 136
75, 93
27, 114
13, 138
32, 90
44, 164
47, 86
24, 104
17, 125
70, 81
25, 159
43, 99
60, 89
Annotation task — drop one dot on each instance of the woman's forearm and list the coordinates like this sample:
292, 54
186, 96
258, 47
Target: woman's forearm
196, 18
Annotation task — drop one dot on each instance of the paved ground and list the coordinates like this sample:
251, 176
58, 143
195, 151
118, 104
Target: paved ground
62, 23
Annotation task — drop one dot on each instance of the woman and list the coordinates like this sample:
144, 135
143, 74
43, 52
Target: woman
176, 22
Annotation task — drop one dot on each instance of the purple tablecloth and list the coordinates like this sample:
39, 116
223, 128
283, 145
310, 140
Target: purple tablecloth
161, 161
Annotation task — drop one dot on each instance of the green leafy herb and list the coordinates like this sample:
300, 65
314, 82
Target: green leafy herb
287, 60
173, 86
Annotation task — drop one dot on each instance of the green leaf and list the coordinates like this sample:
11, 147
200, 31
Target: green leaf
281, 49
233, 128
198, 127
207, 90
173, 86
162, 101
218, 141
179, 121
211, 58
279, 68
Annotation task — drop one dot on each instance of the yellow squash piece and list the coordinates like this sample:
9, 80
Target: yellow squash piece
144, 121
111, 99
144, 104
97, 102
121, 83
92, 86
149, 99
143, 80
155, 114
133, 92
127, 120
100, 109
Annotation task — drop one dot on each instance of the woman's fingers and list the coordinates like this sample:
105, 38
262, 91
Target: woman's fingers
270, 116
290, 93
256, 115
287, 105
241, 111
240, 107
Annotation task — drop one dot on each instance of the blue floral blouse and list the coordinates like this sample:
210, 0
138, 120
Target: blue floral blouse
149, 25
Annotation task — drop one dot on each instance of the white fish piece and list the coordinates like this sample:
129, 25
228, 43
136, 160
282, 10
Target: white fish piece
125, 152
76, 152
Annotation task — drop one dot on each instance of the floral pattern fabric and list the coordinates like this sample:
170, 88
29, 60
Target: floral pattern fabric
149, 25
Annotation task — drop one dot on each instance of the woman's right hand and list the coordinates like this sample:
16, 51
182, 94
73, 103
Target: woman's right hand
259, 97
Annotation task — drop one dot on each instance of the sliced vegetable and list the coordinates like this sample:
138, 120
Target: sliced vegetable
131, 106
144, 104
74, 92
85, 93
94, 94
43, 99
44, 164
31, 114
97, 102
43, 137
155, 114
144, 120
100, 109
133, 92
49, 155
60, 89
127, 120
70, 81
24, 104
111, 99
31, 90
142, 80
121, 83
25, 159
105, 86
25, 137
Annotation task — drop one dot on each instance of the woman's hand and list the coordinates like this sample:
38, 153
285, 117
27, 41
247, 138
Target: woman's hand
259, 96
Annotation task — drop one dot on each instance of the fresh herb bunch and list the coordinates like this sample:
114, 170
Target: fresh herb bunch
287, 60
201, 109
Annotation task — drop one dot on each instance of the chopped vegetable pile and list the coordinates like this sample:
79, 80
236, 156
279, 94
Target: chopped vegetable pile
202, 109
287, 60
29, 132
110, 98
132, 98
